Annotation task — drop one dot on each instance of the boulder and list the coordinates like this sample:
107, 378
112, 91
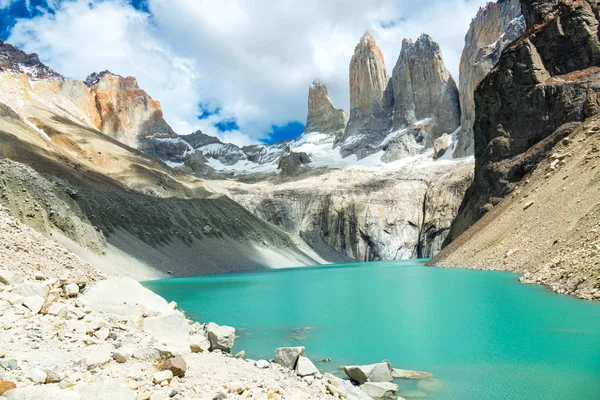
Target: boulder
34, 303
10, 277
37, 376
199, 343
122, 354
220, 337
176, 365
56, 309
407, 374
71, 290
5, 386
288, 356
262, 364
305, 367
98, 355
170, 330
369, 373
162, 376
378, 390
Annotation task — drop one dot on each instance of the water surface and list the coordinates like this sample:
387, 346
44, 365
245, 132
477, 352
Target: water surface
484, 335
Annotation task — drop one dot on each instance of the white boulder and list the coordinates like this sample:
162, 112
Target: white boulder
98, 355
288, 356
34, 303
71, 290
369, 373
170, 330
220, 337
305, 367
199, 343
162, 376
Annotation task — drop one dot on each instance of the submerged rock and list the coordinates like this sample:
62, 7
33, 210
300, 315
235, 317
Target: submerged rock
407, 374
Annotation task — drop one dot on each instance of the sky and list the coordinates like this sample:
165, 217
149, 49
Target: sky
236, 69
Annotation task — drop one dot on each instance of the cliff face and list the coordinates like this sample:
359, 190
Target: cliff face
370, 100
404, 115
494, 27
549, 77
127, 113
362, 215
322, 115
424, 89
536, 150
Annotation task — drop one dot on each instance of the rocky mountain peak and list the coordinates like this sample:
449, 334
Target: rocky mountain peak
95, 77
423, 88
322, 115
18, 62
494, 27
368, 78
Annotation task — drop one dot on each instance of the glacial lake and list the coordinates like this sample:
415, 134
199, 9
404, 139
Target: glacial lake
482, 334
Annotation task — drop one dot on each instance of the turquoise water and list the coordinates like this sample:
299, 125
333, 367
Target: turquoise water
484, 335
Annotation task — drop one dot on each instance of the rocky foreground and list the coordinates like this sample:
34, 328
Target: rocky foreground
67, 332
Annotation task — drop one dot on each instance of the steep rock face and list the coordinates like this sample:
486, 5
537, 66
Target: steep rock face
293, 163
404, 116
363, 215
494, 27
16, 61
322, 115
546, 79
128, 113
424, 89
370, 100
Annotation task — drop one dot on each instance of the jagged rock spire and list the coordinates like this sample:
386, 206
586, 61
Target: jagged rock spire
322, 115
368, 78
423, 88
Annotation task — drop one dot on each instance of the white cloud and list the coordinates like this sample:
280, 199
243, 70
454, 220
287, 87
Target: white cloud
255, 60
6, 3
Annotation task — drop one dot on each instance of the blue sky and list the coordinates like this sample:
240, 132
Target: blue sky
232, 68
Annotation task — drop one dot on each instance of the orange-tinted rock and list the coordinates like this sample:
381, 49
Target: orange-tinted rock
128, 113
368, 78
5, 386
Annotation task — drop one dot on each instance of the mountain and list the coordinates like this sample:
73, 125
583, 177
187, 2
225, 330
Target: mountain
532, 207
402, 115
118, 208
15, 61
494, 27
322, 115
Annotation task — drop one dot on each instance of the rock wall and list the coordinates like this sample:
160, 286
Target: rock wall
404, 115
322, 115
424, 89
127, 113
547, 78
363, 216
370, 100
494, 27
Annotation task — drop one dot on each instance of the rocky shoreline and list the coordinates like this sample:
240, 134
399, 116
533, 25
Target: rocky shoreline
70, 333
